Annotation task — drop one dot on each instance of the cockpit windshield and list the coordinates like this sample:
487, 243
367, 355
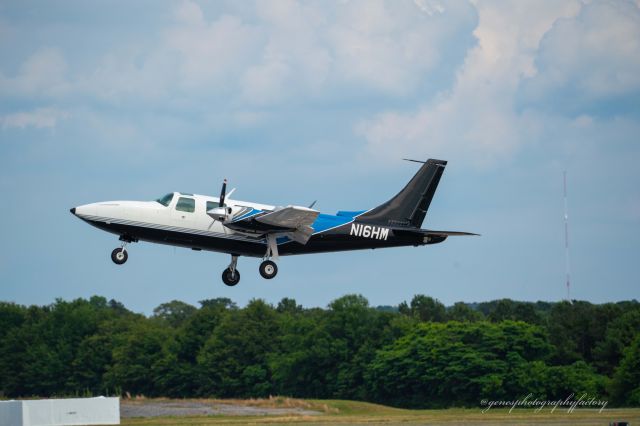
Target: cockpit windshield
166, 200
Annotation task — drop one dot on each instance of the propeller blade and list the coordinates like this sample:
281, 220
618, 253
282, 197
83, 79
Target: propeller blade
222, 193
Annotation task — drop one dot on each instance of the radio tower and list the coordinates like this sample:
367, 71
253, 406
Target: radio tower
566, 238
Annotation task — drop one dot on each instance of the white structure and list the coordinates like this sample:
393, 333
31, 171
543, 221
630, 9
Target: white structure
60, 412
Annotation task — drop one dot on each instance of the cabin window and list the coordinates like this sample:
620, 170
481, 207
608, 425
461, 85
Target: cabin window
212, 205
186, 205
166, 200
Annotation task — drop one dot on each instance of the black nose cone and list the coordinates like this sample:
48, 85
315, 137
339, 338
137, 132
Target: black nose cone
73, 210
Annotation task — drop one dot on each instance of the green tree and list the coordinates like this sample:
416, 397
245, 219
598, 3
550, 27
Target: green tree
183, 375
507, 309
460, 311
575, 329
453, 363
11, 316
576, 379
355, 332
174, 313
305, 356
625, 386
137, 359
620, 333
325, 353
424, 308
288, 305
234, 360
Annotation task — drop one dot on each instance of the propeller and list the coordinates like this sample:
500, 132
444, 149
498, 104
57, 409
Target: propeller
222, 193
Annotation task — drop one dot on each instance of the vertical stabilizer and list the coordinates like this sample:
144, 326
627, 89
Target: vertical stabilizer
409, 207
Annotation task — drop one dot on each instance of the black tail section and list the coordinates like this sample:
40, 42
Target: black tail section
410, 206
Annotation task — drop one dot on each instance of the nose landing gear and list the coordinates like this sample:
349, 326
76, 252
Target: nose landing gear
119, 255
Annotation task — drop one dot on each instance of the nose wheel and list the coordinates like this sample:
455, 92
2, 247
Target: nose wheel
268, 269
119, 255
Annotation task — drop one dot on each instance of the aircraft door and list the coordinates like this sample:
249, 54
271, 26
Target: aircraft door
184, 211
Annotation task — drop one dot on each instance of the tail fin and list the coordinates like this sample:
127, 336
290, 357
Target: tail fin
410, 206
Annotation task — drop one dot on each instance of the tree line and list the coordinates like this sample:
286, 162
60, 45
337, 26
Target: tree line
417, 354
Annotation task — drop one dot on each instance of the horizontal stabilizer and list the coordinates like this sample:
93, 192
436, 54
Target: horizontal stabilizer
448, 233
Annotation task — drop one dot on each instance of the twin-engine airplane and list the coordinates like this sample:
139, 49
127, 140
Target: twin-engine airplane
241, 228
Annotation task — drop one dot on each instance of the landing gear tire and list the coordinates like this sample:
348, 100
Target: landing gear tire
230, 277
268, 269
119, 256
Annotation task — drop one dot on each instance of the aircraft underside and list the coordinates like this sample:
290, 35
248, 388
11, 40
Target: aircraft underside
243, 246
336, 240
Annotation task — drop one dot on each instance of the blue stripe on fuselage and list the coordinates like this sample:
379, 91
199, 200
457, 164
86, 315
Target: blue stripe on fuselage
350, 214
251, 213
324, 222
327, 221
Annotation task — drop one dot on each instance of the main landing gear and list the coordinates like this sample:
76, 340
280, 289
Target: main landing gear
119, 255
231, 276
268, 268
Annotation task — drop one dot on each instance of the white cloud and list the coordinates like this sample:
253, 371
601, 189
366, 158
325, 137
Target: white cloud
39, 118
294, 59
266, 83
210, 55
264, 54
391, 47
476, 119
429, 7
129, 76
271, 54
592, 56
42, 74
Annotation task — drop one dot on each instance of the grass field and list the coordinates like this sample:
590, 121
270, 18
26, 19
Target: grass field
351, 412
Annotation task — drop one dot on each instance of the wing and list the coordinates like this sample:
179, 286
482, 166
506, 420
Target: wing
291, 217
292, 221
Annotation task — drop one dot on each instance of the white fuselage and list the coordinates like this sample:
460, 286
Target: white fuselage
154, 215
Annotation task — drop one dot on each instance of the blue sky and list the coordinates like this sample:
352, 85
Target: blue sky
298, 101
